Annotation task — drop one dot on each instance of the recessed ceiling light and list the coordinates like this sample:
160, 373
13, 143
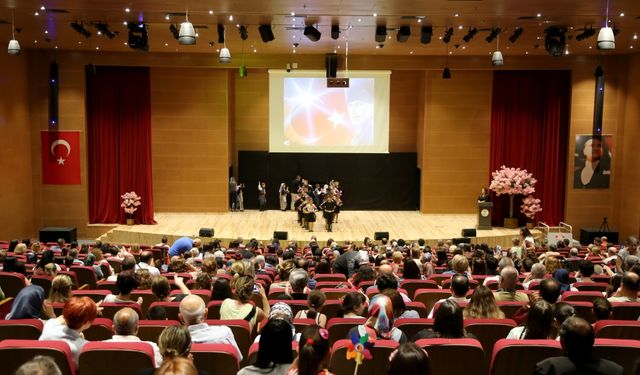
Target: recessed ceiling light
539, 15
566, 52
35, 41
631, 47
166, 44
294, 51
526, 52
450, 52
375, 14
125, 43
46, 31
56, 47
334, 51
97, 47
590, 47
293, 13
43, 8
456, 15
231, 17
419, 20
460, 27
621, 14
127, 10
465, 47
211, 12
635, 36
294, 37
36, 14
359, 19
167, 17
411, 52
125, 23
255, 50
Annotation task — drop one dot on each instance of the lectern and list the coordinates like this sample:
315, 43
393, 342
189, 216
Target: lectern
484, 215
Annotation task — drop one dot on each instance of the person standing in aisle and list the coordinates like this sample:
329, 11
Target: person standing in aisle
284, 193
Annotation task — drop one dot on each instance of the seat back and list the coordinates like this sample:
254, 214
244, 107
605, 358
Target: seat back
429, 297
411, 326
100, 329
583, 310
213, 308
337, 293
488, 332
253, 352
580, 296
122, 358
509, 308
331, 308
625, 310
626, 353
147, 299
339, 327
150, 330
86, 275
241, 333
295, 305
418, 307
339, 364
330, 277
300, 323
107, 285
20, 329
219, 359
12, 283
591, 287
618, 329
110, 309
438, 278
411, 286
445, 356
16, 352
172, 308
522, 355
44, 282
96, 295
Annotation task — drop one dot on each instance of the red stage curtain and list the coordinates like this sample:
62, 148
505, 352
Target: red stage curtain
119, 142
530, 130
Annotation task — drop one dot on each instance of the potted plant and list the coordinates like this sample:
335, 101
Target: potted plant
512, 181
130, 203
530, 207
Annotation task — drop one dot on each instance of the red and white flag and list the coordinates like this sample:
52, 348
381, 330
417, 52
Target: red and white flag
60, 157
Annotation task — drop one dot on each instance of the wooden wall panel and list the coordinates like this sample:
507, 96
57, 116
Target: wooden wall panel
190, 147
403, 111
455, 153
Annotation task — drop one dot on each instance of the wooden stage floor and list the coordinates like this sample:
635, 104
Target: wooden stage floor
352, 225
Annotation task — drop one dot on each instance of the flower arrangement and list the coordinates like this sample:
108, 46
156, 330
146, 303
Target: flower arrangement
130, 202
530, 207
512, 181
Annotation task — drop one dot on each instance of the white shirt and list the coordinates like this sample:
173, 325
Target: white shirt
203, 333
145, 266
526, 285
55, 330
490, 278
280, 369
131, 338
452, 298
516, 333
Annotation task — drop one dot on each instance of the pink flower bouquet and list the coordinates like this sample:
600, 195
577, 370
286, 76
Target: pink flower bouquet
530, 207
130, 202
512, 181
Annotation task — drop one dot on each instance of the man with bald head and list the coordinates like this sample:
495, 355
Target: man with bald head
507, 284
146, 263
629, 287
577, 339
125, 326
193, 313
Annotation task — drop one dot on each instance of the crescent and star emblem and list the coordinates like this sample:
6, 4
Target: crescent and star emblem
65, 144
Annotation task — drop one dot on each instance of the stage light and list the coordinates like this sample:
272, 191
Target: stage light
606, 39
381, 34
447, 35
446, 73
225, 56
493, 34
243, 32
14, 46
425, 34
403, 34
312, 33
497, 59
187, 35
472, 32
174, 31
335, 32
555, 40
266, 33
104, 29
138, 37
516, 34
586, 34
220, 33
79, 27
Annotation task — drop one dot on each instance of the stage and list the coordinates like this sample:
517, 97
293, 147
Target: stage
352, 225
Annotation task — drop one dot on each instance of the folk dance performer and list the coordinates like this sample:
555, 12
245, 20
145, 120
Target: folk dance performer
328, 208
309, 213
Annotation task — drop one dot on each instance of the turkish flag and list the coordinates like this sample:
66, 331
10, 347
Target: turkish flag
60, 157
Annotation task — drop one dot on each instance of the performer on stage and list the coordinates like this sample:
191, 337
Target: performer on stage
293, 189
284, 193
262, 195
328, 208
309, 212
240, 196
233, 198
297, 206
484, 196
334, 187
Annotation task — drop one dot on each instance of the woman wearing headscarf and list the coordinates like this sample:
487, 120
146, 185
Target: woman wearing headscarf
562, 275
380, 322
29, 304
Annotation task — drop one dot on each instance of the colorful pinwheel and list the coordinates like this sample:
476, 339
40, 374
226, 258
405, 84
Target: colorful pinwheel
359, 349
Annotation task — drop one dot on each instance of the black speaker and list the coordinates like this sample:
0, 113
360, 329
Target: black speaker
458, 241
380, 235
53, 94
220, 33
468, 232
381, 34
206, 232
51, 234
312, 33
266, 33
335, 32
331, 64
281, 235
403, 34
427, 32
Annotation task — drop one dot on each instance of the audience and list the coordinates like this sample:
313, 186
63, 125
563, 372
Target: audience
39, 365
241, 307
353, 305
125, 328
602, 309
315, 302
448, 324
482, 305
60, 291
313, 351
507, 286
275, 334
126, 282
379, 325
175, 347
221, 290
539, 323
459, 288
409, 359
628, 291
30, 304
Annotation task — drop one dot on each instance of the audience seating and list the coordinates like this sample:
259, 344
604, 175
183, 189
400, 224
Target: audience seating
446, 356
509, 308
584, 310
446, 284
438, 278
100, 329
591, 287
96, 295
122, 358
107, 285
203, 293
488, 332
12, 283
411, 286
429, 297
253, 352
328, 284
5, 307
241, 333
337, 293
626, 353
411, 326
418, 307
580, 296
274, 292
625, 310
331, 308
299, 323
218, 359
213, 308
330, 277
172, 308
20, 329
150, 330
16, 352
86, 275
339, 364
110, 309
509, 355
618, 329
339, 327
116, 264
43, 281
74, 279
147, 299
295, 305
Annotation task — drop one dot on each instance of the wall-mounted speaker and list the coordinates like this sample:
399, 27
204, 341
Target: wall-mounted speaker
312, 33
331, 64
380, 235
283, 236
206, 232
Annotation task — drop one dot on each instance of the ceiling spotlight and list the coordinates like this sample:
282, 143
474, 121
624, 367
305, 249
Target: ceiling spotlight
516, 34
14, 47
266, 33
447, 35
586, 34
312, 33
493, 34
606, 39
220, 33
497, 59
381, 34
187, 34
79, 27
472, 32
174, 31
425, 34
103, 28
138, 37
243, 32
335, 32
555, 40
403, 34
225, 56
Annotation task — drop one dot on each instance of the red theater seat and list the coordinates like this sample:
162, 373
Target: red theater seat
521, 356
96, 295
150, 330
16, 352
339, 327
580, 296
100, 329
12, 283
618, 329
429, 297
488, 332
411, 286
110, 309
446, 356
20, 329
330, 277
122, 358
218, 359
625, 310
411, 326
626, 353
241, 333
86, 275
172, 308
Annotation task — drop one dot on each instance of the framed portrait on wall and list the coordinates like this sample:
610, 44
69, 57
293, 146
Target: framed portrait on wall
592, 167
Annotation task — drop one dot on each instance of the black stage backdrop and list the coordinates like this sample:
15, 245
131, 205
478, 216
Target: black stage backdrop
369, 181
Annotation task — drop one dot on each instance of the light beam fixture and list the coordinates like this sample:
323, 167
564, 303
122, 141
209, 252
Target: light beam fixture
14, 46
243, 32
496, 58
187, 34
516, 34
447, 35
606, 37
472, 32
225, 55
493, 34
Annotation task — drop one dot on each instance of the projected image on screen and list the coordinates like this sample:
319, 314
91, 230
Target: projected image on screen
315, 115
